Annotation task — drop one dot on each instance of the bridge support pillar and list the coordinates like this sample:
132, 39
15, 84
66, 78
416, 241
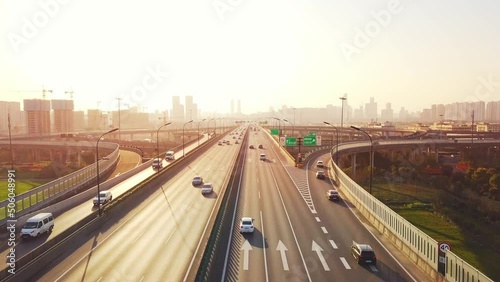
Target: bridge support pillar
353, 164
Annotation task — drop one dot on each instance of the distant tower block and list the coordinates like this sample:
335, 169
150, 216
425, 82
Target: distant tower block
63, 115
37, 116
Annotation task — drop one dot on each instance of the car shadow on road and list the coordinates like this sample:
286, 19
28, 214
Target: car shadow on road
212, 195
384, 272
255, 239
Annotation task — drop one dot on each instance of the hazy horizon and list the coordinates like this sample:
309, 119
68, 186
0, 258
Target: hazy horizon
411, 54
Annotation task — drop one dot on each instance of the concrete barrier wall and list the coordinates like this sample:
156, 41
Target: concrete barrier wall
418, 246
46, 194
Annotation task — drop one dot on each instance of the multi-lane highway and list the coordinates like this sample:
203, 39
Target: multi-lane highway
299, 234
156, 240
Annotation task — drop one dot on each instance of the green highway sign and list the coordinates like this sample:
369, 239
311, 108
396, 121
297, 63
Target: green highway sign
291, 141
310, 140
275, 131
311, 133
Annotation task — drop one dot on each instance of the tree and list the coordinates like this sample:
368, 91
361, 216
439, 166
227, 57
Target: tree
495, 180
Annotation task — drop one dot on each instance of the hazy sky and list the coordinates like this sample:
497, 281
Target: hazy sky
265, 53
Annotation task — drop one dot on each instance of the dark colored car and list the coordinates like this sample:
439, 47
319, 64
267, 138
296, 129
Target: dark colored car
320, 174
251, 147
261, 147
332, 195
363, 253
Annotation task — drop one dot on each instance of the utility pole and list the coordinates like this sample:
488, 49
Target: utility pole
119, 125
10, 144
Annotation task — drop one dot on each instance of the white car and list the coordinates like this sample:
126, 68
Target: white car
246, 225
262, 157
207, 188
104, 197
157, 163
320, 164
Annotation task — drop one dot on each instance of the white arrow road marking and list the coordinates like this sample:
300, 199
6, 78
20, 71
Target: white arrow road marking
282, 249
373, 268
316, 248
344, 262
246, 248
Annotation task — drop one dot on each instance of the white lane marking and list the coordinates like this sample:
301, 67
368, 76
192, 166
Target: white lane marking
117, 174
317, 248
282, 249
259, 194
344, 262
246, 248
324, 230
139, 236
100, 278
317, 219
291, 227
263, 240
333, 244
373, 268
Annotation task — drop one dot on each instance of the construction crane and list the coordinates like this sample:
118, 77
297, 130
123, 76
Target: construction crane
45, 91
70, 93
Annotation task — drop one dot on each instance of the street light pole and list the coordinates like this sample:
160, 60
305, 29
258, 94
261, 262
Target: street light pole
157, 143
97, 165
371, 154
342, 113
183, 136
199, 131
293, 126
337, 146
119, 126
10, 144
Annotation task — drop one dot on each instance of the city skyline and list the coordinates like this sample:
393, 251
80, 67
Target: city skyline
412, 54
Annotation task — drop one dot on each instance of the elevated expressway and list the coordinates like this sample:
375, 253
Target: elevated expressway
161, 233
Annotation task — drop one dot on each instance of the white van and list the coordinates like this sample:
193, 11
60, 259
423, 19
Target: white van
35, 226
170, 155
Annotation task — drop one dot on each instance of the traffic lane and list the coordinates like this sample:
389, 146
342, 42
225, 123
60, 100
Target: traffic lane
283, 254
346, 228
128, 160
188, 218
69, 218
321, 259
247, 249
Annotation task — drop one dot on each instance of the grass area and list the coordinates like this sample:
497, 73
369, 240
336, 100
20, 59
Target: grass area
470, 238
21, 187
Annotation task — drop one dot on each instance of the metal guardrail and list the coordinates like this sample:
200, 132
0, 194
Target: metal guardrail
415, 240
43, 195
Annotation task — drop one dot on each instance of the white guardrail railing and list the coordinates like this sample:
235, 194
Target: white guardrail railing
421, 248
41, 196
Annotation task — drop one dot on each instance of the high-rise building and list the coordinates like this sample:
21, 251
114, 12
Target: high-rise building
78, 120
492, 113
387, 114
94, 119
371, 110
177, 110
403, 114
63, 115
37, 113
191, 110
